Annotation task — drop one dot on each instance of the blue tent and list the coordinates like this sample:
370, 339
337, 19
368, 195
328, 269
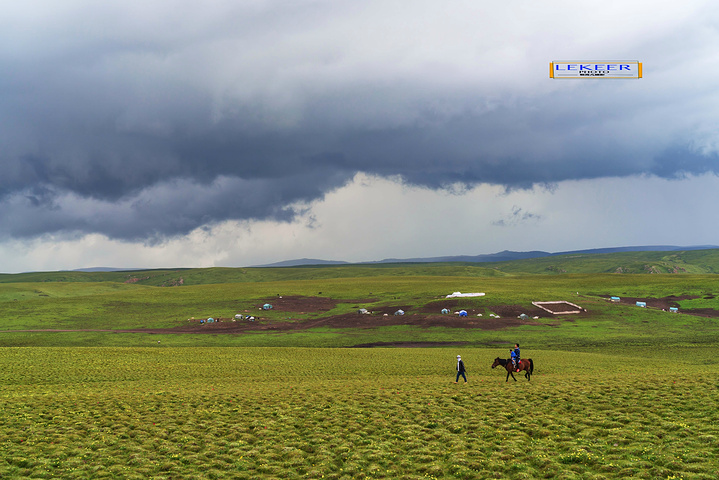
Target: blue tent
267, 306
445, 311
463, 313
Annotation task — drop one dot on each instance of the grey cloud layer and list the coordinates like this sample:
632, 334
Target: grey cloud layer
147, 123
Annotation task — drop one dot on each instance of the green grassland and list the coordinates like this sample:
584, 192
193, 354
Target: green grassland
677, 262
122, 306
618, 391
220, 275
246, 413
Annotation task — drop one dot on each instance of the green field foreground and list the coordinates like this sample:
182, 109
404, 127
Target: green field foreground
242, 413
93, 385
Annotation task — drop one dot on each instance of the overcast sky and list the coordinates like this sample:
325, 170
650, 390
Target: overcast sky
178, 133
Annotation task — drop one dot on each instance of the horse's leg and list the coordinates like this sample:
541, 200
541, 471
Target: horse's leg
508, 373
512, 374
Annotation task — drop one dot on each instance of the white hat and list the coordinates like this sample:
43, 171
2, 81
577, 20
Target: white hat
459, 356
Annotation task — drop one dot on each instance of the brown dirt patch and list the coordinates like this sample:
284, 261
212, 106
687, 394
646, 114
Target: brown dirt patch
452, 304
347, 320
671, 301
508, 318
660, 303
299, 303
517, 310
701, 312
561, 307
665, 302
502, 310
389, 310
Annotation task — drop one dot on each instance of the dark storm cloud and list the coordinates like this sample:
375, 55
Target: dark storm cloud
144, 127
166, 209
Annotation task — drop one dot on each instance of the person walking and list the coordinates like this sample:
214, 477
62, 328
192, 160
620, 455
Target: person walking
460, 370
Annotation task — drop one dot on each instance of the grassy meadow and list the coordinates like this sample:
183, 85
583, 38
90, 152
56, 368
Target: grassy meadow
74, 313
618, 392
244, 413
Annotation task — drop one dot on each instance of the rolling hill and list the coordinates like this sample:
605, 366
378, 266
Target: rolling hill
633, 262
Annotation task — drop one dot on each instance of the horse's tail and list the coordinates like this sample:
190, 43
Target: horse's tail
531, 366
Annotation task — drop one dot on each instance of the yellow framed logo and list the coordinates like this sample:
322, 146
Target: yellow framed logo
624, 69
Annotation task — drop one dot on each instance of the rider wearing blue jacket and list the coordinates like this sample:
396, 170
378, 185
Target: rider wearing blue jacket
515, 356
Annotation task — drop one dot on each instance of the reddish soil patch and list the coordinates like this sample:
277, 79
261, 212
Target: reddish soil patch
353, 320
389, 310
298, 303
660, 303
502, 310
671, 301
452, 304
701, 312
508, 318
516, 310
561, 307
347, 320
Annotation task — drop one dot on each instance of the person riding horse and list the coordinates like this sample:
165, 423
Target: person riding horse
515, 356
526, 365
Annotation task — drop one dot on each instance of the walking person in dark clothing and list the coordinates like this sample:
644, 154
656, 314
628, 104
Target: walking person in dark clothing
460, 369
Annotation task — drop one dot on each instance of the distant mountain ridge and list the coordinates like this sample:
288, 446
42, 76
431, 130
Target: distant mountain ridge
503, 256
106, 269
629, 260
304, 261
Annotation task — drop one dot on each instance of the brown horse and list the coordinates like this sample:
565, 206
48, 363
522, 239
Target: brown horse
525, 364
